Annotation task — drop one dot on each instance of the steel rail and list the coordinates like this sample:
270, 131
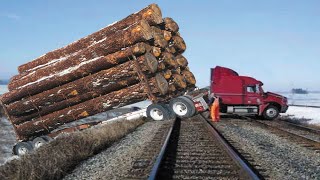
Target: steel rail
245, 168
157, 163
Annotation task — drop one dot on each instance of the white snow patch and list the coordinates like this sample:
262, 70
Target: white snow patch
306, 113
97, 42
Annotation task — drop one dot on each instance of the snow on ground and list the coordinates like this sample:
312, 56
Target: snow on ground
306, 113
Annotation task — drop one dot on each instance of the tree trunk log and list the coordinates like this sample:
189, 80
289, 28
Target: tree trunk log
170, 25
178, 43
95, 85
189, 77
152, 14
46, 124
181, 61
135, 33
101, 63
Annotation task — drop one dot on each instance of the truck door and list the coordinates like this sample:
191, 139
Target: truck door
252, 95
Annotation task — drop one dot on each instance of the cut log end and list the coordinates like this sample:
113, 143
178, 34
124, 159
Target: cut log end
139, 48
161, 66
151, 62
167, 74
179, 44
159, 40
167, 35
170, 25
153, 14
145, 29
189, 77
182, 61
162, 84
156, 51
168, 59
172, 88
179, 81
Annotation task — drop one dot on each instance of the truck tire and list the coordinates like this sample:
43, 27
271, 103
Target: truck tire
37, 142
22, 148
172, 115
158, 112
182, 106
271, 112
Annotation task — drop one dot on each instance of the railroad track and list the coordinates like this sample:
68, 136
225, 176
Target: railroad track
289, 131
195, 150
299, 139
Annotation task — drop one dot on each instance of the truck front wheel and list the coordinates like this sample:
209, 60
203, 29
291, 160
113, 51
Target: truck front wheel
271, 112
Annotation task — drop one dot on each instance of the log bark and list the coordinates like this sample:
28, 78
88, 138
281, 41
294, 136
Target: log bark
82, 89
46, 124
138, 32
100, 63
152, 14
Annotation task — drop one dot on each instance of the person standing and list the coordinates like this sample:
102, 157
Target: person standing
214, 107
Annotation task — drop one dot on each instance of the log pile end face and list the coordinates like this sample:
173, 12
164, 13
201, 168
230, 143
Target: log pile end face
136, 58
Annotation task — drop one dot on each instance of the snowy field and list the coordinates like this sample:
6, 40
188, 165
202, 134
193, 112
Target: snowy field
312, 115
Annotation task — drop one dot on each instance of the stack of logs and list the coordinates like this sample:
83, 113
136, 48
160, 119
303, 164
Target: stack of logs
137, 58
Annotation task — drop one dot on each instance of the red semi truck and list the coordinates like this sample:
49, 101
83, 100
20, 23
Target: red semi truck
244, 95
237, 94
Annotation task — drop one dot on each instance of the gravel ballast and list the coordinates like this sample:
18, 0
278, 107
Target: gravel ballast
120, 160
274, 156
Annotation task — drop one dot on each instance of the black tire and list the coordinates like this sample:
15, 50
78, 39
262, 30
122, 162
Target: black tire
158, 112
271, 112
172, 115
182, 106
22, 148
37, 142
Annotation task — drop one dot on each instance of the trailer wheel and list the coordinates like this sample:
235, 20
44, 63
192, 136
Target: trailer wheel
38, 142
182, 107
22, 148
172, 115
271, 112
158, 112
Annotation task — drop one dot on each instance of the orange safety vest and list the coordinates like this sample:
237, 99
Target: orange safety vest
214, 110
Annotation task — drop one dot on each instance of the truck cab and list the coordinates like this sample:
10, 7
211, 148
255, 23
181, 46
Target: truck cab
245, 95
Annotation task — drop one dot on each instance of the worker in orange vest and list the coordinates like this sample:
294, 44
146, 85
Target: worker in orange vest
215, 108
